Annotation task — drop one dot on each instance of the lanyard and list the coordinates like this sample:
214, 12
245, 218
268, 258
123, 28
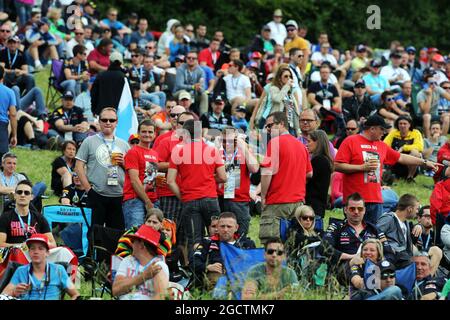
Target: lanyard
46, 281
428, 241
139, 73
232, 159
106, 144
11, 63
354, 233
10, 180
25, 231
67, 166
321, 86
67, 116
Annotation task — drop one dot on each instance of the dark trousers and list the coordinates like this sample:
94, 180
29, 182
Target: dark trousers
106, 211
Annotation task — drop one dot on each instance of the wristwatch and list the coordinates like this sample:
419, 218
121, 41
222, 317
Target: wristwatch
425, 161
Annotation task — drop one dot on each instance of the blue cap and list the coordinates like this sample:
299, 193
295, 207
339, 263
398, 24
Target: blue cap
410, 49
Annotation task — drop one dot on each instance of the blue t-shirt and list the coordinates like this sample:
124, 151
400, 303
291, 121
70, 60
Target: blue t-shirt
59, 281
116, 24
7, 99
209, 74
378, 84
141, 41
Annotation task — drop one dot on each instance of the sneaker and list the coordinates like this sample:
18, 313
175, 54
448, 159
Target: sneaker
39, 67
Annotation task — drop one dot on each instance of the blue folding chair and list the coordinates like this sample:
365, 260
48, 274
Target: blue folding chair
74, 215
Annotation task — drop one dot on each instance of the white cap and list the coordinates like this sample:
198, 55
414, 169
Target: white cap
116, 56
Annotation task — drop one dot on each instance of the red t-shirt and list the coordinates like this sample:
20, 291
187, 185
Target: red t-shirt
164, 150
196, 163
442, 156
205, 55
354, 150
241, 194
289, 161
161, 137
145, 161
101, 59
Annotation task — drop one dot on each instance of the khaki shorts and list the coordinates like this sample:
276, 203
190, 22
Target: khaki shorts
269, 225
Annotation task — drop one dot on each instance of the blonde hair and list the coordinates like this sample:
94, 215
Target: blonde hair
299, 212
54, 13
378, 245
155, 212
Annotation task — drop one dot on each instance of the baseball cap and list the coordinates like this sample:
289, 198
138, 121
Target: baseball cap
360, 83
134, 15
278, 13
395, 54
91, 4
265, 28
179, 58
361, 48
68, 94
386, 266
292, 23
410, 49
241, 109
13, 39
430, 50
225, 66
438, 58
38, 237
256, 55
132, 137
184, 95
252, 64
116, 56
375, 63
218, 99
376, 121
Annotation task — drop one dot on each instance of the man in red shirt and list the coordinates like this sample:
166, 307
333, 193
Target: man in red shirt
168, 202
443, 157
209, 56
98, 59
172, 114
198, 166
285, 169
239, 163
139, 189
361, 158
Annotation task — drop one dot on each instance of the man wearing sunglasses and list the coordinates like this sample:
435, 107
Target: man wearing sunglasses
100, 162
270, 280
166, 121
79, 39
358, 107
293, 40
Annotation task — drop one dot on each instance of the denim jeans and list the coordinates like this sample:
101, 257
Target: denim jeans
373, 212
158, 98
25, 81
78, 137
242, 212
34, 95
389, 293
23, 12
195, 217
134, 212
74, 86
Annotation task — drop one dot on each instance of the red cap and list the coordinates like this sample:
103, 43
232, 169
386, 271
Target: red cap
225, 66
133, 136
430, 50
256, 55
147, 234
438, 58
38, 237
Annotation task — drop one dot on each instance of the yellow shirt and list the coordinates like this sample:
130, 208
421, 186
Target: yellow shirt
297, 42
413, 140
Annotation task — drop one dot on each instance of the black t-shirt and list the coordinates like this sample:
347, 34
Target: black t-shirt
74, 116
11, 225
75, 196
56, 183
317, 186
428, 285
75, 70
138, 74
323, 92
17, 59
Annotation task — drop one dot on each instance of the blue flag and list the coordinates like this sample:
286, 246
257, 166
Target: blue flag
128, 122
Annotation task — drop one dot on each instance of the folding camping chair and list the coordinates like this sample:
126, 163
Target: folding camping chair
54, 89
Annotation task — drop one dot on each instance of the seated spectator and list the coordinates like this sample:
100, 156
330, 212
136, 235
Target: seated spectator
210, 56
215, 121
440, 202
76, 71
394, 72
434, 143
42, 43
143, 107
16, 68
175, 258
143, 275
445, 238
444, 104
74, 194
177, 45
270, 280
376, 84
200, 41
166, 36
141, 37
351, 128
78, 40
388, 109
360, 61
123, 32
322, 55
207, 263
405, 139
426, 286
98, 59
428, 100
238, 119
404, 99
32, 132
40, 280
19, 224
305, 227
358, 107
34, 96
57, 28
68, 121
63, 168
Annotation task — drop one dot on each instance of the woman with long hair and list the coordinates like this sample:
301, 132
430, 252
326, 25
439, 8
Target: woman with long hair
322, 164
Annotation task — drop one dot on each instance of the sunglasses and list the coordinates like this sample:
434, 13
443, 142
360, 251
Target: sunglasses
361, 87
3, 30
354, 209
135, 141
108, 120
174, 115
445, 88
269, 125
390, 99
25, 192
79, 33
272, 251
191, 58
351, 129
300, 56
291, 29
307, 120
387, 275
134, 55
310, 218
150, 47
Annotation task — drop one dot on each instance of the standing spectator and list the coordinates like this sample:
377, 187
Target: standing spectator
322, 165
169, 120
358, 107
277, 28
238, 87
103, 177
63, 167
434, 143
68, 121
296, 57
210, 56
141, 165
107, 87
285, 169
23, 9
361, 158
270, 279
98, 59
16, 69
293, 40
200, 41
8, 116
79, 39
196, 187
76, 71
141, 36
239, 164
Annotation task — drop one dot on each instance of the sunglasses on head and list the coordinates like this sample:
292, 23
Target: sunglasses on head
272, 251
104, 120
25, 192
310, 218
387, 275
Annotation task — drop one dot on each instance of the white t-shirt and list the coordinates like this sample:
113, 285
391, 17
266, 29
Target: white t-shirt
236, 86
390, 73
315, 77
319, 57
277, 32
72, 43
145, 291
